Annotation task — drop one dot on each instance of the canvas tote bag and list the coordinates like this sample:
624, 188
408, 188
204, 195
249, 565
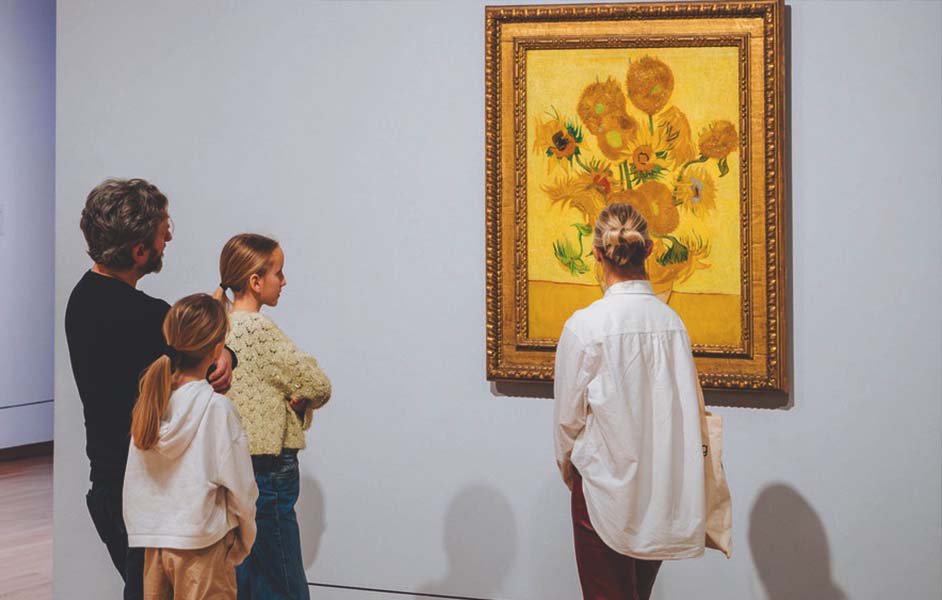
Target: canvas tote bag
719, 507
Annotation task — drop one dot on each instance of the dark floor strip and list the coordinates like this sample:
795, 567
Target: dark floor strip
418, 594
27, 404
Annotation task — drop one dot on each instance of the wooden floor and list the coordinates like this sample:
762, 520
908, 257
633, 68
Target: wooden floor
26, 529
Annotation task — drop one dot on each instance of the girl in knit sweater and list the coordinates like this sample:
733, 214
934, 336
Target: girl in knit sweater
276, 389
189, 490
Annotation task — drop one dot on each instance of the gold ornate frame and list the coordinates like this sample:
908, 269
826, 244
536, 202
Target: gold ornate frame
759, 363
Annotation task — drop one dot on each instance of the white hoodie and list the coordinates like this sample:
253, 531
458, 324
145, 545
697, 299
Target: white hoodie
197, 483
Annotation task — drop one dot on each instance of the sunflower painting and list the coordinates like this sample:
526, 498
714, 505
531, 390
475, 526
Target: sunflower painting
652, 127
674, 108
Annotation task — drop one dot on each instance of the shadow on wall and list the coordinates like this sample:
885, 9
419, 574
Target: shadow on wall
523, 389
480, 544
790, 547
311, 519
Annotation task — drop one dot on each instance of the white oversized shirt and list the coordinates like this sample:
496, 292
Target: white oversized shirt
627, 417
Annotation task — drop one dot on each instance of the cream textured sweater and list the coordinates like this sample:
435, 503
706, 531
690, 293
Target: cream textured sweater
271, 370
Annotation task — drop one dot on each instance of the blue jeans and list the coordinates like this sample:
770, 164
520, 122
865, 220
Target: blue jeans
274, 569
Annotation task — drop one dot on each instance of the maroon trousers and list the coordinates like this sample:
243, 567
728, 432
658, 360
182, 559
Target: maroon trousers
604, 573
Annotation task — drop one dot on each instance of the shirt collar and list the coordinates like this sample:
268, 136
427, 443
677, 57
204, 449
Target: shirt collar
634, 286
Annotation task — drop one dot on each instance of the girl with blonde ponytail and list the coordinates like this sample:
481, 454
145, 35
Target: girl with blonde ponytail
635, 468
244, 256
189, 489
276, 389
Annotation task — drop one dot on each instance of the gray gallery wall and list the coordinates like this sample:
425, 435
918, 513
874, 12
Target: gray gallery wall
353, 132
27, 207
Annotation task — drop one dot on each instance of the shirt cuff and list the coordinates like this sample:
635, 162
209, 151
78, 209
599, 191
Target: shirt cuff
235, 359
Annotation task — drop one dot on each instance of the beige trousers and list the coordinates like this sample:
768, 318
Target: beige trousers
190, 574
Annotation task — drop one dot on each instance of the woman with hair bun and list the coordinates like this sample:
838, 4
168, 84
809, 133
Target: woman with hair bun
627, 423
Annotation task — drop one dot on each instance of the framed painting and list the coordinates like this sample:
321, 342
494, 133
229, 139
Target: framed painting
675, 108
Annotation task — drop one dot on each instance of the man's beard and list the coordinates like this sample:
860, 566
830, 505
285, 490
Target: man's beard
155, 262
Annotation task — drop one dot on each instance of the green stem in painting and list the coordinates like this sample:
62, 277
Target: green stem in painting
651, 123
582, 164
692, 162
626, 174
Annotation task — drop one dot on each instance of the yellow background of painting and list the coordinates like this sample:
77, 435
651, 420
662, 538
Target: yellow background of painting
706, 88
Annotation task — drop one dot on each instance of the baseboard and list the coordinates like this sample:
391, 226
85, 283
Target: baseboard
395, 592
27, 451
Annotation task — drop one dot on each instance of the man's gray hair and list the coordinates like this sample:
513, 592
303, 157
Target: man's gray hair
120, 214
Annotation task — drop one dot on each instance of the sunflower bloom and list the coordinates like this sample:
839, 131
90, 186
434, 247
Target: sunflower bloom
718, 140
598, 175
543, 132
655, 203
599, 100
558, 139
648, 156
642, 159
584, 192
678, 136
616, 133
696, 191
650, 83
564, 144
675, 260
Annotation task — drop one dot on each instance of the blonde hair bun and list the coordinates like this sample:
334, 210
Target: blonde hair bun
621, 234
631, 237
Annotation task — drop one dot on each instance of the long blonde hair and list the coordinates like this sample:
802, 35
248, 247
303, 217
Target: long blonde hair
621, 234
192, 328
243, 255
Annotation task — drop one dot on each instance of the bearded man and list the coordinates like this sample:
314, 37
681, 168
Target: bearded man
114, 332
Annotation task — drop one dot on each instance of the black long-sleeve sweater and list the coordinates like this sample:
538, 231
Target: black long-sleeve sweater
114, 332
